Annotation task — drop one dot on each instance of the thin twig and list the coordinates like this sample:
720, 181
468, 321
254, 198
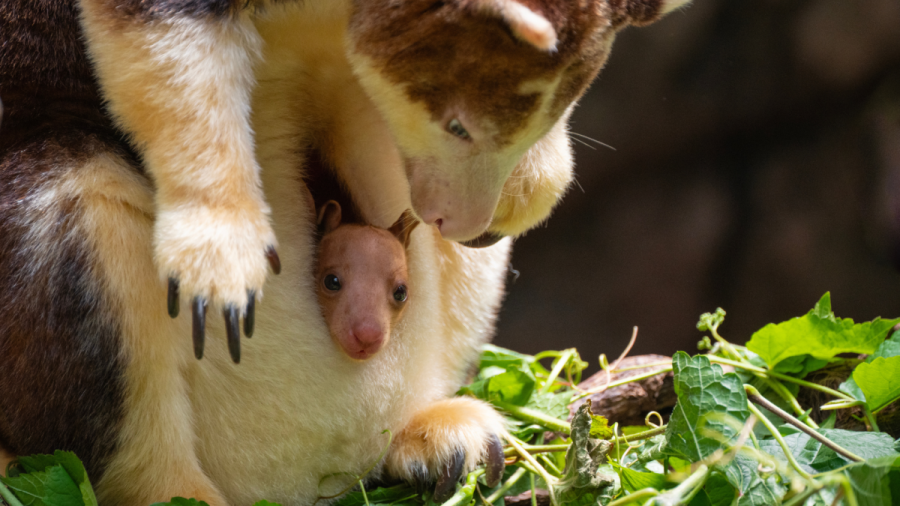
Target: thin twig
777, 435
762, 401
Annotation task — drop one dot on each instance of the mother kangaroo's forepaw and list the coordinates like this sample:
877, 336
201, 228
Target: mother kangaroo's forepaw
218, 258
445, 441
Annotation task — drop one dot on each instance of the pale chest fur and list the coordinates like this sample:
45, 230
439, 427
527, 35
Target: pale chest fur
297, 409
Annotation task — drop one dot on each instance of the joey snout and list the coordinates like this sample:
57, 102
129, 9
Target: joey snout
359, 323
363, 339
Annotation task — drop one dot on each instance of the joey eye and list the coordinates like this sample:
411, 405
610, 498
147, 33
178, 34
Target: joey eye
332, 282
400, 293
456, 128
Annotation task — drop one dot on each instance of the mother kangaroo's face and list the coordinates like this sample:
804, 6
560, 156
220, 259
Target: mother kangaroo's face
467, 87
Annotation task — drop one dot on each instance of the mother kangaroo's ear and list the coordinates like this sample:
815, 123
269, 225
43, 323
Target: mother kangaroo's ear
403, 227
526, 25
329, 217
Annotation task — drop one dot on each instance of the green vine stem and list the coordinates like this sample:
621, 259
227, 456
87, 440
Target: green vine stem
508, 484
8, 496
558, 366
782, 391
870, 419
534, 463
754, 396
686, 490
647, 434
466, 492
533, 449
777, 435
801, 498
784, 377
530, 415
635, 496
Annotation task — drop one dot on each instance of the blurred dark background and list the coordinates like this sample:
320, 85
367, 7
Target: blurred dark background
756, 166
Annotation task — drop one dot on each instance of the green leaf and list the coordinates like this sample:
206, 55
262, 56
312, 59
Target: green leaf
633, 480
819, 334
703, 390
381, 495
52, 487
514, 386
800, 365
872, 481
553, 404
815, 457
716, 492
266, 503
600, 427
889, 348
879, 381
756, 489
71, 465
495, 356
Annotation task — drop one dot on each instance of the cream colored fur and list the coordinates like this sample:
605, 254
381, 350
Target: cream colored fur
463, 181
296, 409
180, 88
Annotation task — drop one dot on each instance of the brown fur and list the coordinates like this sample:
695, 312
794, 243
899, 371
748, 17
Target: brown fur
58, 335
444, 52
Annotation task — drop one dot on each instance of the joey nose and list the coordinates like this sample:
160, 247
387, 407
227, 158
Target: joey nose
368, 338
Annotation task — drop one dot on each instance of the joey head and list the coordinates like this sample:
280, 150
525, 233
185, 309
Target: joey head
362, 280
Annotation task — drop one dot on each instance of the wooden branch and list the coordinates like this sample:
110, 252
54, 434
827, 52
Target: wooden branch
628, 404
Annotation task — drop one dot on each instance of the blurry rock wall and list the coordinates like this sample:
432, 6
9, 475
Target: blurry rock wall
756, 166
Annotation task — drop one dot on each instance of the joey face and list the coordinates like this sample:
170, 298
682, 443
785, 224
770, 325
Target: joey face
362, 285
469, 87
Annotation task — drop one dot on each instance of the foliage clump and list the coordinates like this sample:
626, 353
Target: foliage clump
736, 438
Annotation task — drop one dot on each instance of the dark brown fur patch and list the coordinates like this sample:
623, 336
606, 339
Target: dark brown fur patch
61, 369
323, 183
446, 52
46, 82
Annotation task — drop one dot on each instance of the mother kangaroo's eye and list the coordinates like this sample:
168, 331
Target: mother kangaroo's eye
332, 282
400, 293
456, 128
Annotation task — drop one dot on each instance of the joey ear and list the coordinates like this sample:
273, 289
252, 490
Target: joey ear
329, 217
403, 227
526, 24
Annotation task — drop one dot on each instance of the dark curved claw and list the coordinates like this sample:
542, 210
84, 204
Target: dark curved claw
173, 298
250, 319
495, 462
484, 240
274, 261
450, 476
232, 329
198, 312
